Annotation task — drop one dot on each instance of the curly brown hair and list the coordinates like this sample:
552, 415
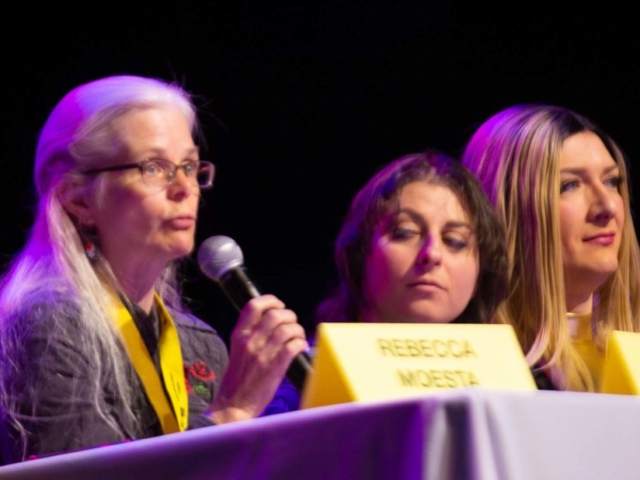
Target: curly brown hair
380, 195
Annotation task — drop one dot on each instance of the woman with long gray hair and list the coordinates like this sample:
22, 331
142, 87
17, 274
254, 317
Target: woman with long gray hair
96, 346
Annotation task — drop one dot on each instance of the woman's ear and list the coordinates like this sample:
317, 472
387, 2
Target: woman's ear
73, 199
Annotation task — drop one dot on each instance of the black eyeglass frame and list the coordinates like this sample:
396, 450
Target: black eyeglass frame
172, 173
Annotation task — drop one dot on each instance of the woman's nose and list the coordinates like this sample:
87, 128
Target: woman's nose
181, 183
430, 254
603, 205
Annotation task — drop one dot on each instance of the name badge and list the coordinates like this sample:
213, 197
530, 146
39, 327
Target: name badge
374, 361
621, 373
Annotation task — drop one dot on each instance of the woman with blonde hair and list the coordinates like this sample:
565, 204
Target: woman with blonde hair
559, 185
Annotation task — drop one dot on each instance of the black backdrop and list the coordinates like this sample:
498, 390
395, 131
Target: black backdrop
303, 101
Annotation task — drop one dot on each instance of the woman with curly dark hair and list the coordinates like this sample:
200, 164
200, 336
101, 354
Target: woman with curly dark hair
420, 244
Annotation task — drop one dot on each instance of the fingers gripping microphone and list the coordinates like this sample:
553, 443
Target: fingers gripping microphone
221, 259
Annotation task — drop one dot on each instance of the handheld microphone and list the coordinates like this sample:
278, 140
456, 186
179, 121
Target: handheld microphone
221, 259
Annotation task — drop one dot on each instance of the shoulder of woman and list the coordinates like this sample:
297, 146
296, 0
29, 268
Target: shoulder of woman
45, 334
44, 312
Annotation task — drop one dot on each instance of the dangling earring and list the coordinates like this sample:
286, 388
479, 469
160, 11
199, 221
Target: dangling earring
90, 250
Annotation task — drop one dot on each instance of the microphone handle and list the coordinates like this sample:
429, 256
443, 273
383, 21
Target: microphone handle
240, 289
298, 369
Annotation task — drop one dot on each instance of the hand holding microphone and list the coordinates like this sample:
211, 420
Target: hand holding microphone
267, 339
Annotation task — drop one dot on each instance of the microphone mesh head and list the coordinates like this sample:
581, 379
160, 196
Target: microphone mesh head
217, 255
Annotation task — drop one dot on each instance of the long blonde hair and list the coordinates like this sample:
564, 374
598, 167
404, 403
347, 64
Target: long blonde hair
515, 155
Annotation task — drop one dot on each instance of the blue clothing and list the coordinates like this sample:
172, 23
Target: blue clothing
286, 399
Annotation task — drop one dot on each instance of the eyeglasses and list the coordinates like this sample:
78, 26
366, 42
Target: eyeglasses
159, 172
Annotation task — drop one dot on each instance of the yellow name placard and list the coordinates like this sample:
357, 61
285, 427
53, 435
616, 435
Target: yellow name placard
372, 361
621, 372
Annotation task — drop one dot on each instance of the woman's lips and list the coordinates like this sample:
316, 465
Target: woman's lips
604, 239
426, 286
182, 223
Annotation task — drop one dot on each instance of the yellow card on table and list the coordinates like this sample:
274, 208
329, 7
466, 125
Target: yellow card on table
621, 372
372, 361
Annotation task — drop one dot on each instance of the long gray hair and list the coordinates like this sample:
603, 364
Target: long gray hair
77, 136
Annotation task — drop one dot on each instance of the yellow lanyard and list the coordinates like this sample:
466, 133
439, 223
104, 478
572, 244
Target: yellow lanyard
173, 414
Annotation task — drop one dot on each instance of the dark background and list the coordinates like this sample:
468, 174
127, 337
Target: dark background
302, 101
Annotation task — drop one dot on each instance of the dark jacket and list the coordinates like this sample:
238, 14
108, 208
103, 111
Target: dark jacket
49, 381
